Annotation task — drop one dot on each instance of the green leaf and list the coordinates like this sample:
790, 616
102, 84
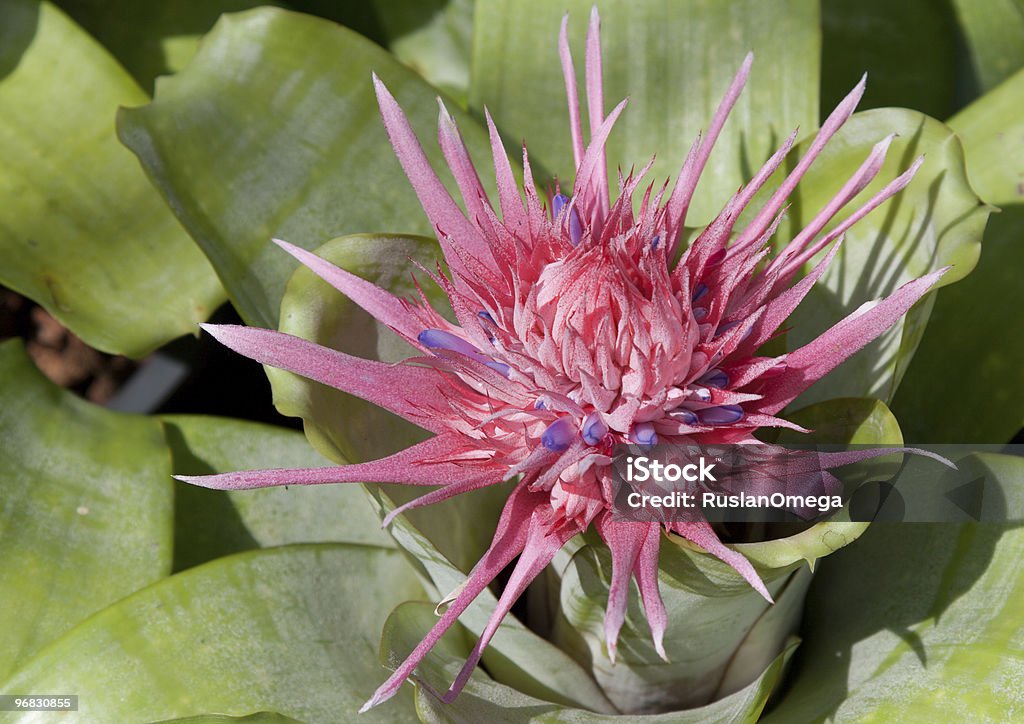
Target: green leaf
994, 32
917, 622
263, 717
213, 523
936, 221
85, 508
712, 615
151, 38
675, 61
293, 630
974, 339
273, 131
485, 700
432, 37
906, 48
81, 230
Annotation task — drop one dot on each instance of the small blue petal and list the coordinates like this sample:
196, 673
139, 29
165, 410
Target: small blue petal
487, 316
699, 291
500, 367
559, 435
557, 204
715, 378
539, 405
575, 230
699, 313
643, 434
723, 415
687, 417
439, 339
655, 241
594, 429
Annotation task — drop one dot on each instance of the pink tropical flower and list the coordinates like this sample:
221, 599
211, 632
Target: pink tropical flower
576, 333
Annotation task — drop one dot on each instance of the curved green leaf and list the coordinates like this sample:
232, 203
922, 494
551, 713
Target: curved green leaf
152, 38
843, 421
85, 508
710, 619
213, 523
936, 221
975, 339
917, 621
82, 232
675, 61
485, 700
293, 630
432, 37
263, 717
273, 131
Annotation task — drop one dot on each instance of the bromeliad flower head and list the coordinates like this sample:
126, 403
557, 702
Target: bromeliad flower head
576, 332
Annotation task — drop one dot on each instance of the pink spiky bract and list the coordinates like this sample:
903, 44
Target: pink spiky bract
576, 333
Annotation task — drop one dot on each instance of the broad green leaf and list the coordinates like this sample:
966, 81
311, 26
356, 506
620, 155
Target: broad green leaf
273, 131
486, 700
82, 232
213, 523
293, 630
994, 33
432, 37
712, 614
936, 221
85, 508
673, 61
151, 38
263, 717
917, 622
973, 343
907, 49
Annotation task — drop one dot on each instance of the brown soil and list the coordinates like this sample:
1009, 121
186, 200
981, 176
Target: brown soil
60, 355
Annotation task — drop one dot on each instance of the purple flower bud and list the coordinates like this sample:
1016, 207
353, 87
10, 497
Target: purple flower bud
722, 415
439, 339
715, 378
594, 429
559, 435
643, 434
